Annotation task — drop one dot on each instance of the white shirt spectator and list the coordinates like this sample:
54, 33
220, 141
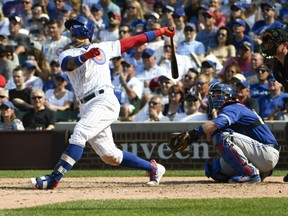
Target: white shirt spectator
49, 95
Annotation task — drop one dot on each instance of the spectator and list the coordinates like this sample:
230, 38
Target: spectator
125, 31
157, 44
8, 120
188, 80
31, 22
160, 86
56, 14
269, 21
6, 65
67, 11
200, 18
27, 12
208, 35
151, 69
59, 98
243, 95
12, 7
191, 10
31, 81
108, 6
95, 13
239, 35
220, 18
11, 55
130, 91
191, 107
238, 12
166, 18
17, 38
136, 58
224, 48
4, 24
116, 67
274, 100
179, 19
208, 68
112, 31
257, 60
183, 62
20, 95
244, 58
175, 105
4, 96
201, 89
42, 31
190, 45
40, 118
231, 69
55, 44
133, 13
153, 112
261, 88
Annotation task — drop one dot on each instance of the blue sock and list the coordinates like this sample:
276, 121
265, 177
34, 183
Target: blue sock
132, 161
70, 156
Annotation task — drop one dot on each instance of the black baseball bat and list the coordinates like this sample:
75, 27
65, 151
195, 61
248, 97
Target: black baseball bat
174, 66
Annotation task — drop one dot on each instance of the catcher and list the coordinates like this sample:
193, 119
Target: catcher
248, 151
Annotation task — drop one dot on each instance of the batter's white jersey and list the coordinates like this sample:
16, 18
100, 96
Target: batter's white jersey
94, 74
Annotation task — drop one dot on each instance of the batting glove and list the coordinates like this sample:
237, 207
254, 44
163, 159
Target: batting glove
167, 31
91, 53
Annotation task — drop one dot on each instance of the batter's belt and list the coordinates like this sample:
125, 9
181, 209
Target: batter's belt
91, 96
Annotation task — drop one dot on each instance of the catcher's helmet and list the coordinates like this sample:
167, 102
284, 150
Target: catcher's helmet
80, 27
271, 39
219, 93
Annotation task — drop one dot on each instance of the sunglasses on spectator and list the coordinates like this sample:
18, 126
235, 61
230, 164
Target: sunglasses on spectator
172, 91
152, 103
123, 31
188, 77
167, 46
222, 34
261, 71
200, 83
36, 97
205, 15
25, 2
2, 96
235, 9
131, 7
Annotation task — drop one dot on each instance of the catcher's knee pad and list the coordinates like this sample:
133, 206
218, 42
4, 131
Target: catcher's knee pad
225, 147
213, 171
114, 158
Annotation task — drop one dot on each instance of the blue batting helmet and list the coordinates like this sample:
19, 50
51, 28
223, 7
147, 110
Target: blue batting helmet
80, 27
219, 93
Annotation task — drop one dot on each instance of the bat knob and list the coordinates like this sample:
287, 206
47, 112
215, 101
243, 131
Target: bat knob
171, 28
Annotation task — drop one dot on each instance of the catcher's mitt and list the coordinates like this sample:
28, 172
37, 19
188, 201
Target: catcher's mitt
179, 141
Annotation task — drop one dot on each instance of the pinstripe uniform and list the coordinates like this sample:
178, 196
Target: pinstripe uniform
98, 113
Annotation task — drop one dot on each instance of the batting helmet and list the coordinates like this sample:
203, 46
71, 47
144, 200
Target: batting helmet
80, 27
271, 39
219, 93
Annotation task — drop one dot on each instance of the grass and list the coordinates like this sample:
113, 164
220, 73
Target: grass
183, 207
203, 207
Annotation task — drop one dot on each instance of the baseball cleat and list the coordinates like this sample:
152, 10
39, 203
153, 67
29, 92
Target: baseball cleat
156, 175
44, 182
285, 179
245, 179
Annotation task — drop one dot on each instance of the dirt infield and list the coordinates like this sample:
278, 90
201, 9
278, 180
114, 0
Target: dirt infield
17, 193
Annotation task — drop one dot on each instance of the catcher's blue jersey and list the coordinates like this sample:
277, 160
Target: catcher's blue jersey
241, 119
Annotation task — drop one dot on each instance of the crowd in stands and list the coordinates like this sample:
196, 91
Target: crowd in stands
215, 41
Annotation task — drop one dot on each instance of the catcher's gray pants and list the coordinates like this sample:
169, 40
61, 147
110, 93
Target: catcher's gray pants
262, 157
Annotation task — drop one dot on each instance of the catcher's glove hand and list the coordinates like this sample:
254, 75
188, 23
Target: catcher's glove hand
179, 141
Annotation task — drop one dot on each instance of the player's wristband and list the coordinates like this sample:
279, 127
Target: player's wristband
151, 36
79, 60
200, 130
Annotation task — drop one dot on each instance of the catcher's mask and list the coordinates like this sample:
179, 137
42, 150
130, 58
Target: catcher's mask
271, 39
218, 94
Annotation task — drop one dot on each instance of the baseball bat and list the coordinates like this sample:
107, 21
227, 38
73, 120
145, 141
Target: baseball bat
174, 66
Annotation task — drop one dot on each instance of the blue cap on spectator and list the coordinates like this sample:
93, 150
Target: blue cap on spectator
208, 64
268, 4
237, 5
66, 8
243, 83
179, 12
204, 7
147, 53
96, 7
62, 75
240, 22
247, 45
28, 64
190, 26
15, 18
7, 104
168, 8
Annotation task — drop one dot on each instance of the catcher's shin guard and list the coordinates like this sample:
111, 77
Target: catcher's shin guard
229, 153
213, 170
70, 156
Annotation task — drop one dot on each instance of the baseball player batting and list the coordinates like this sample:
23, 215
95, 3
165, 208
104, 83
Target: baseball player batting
248, 150
87, 66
